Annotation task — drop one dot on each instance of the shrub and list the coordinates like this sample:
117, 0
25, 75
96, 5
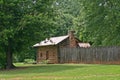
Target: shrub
29, 61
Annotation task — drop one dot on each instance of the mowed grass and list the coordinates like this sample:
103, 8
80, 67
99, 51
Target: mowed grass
62, 72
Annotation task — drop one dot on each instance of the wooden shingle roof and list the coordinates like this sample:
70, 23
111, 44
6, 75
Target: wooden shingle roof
51, 41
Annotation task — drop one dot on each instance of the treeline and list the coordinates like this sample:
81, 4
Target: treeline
25, 22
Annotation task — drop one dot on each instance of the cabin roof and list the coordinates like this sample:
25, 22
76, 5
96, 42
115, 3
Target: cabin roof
51, 41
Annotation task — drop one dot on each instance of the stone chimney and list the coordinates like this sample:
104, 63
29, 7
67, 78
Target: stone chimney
72, 40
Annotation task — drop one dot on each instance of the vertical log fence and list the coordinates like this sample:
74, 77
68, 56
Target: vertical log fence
92, 55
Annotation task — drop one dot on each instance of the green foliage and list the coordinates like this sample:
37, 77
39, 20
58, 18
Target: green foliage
66, 16
95, 21
2, 61
29, 61
102, 22
23, 23
29, 53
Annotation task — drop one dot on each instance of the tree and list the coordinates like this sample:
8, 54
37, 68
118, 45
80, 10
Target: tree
66, 18
21, 23
102, 22
95, 21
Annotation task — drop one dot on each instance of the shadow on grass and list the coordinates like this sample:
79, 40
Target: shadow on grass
48, 68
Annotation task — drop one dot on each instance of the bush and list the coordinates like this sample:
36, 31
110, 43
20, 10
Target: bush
29, 61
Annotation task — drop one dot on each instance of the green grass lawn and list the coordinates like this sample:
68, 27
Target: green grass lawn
62, 72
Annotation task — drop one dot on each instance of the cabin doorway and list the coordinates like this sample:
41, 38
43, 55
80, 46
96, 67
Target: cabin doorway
47, 55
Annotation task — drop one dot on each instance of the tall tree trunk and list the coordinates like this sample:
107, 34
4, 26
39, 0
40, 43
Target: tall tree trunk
9, 62
9, 56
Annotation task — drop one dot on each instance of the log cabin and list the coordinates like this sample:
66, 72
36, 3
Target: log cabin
48, 49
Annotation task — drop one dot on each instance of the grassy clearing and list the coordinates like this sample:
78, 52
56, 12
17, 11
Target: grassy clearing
62, 72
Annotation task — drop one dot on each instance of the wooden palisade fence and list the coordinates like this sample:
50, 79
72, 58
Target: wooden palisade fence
92, 55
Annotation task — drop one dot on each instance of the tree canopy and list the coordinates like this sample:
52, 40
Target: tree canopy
22, 22
102, 22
